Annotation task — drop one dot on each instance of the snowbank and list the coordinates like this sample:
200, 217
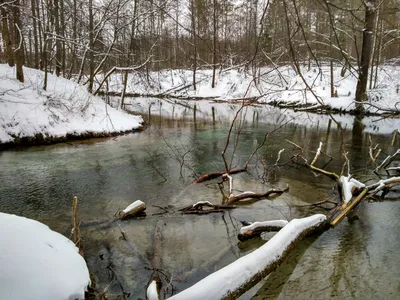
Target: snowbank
65, 108
178, 109
38, 263
273, 85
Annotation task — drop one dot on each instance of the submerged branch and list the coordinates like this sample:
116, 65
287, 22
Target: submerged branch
251, 195
214, 175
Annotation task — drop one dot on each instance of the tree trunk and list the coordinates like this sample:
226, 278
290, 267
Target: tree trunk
35, 35
5, 31
18, 42
193, 11
124, 89
39, 25
74, 37
215, 32
133, 34
58, 43
361, 90
91, 55
62, 34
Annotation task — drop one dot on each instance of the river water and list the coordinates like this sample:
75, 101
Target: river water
352, 261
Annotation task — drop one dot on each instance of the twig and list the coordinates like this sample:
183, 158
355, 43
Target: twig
123, 233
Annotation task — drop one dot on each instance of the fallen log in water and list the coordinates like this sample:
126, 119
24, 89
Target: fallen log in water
135, 209
236, 278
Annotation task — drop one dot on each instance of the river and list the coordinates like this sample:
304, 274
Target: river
351, 261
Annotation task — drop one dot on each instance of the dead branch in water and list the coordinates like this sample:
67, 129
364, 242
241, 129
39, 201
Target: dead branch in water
214, 175
231, 198
198, 208
251, 195
76, 232
352, 191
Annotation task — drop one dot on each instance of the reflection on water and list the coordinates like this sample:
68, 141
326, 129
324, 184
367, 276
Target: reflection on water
355, 261
351, 261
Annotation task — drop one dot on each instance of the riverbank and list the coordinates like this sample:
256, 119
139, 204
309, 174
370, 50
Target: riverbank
66, 111
275, 85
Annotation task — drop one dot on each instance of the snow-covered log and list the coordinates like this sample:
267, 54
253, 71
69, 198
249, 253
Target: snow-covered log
38, 263
237, 277
349, 186
256, 228
133, 210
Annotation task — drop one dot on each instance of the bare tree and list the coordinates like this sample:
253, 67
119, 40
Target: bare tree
367, 45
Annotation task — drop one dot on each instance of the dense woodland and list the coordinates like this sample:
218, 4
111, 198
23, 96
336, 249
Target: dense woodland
80, 39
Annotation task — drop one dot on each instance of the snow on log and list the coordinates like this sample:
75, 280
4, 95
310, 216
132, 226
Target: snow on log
202, 203
152, 291
383, 183
253, 226
256, 228
349, 186
38, 263
133, 210
251, 195
236, 278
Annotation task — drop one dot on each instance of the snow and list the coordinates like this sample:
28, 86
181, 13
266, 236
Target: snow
348, 184
279, 84
382, 183
152, 293
178, 109
319, 150
220, 283
132, 206
64, 108
255, 225
202, 203
38, 263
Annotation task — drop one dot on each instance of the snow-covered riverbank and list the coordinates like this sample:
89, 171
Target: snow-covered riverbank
274, 85
66, 110
223, 112
38, 263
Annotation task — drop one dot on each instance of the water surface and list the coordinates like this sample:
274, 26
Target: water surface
352, 261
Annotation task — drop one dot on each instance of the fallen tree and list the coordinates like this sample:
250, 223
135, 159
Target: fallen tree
233, 280
351, 190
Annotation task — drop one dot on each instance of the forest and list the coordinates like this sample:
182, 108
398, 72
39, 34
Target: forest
81, 39
262, 138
